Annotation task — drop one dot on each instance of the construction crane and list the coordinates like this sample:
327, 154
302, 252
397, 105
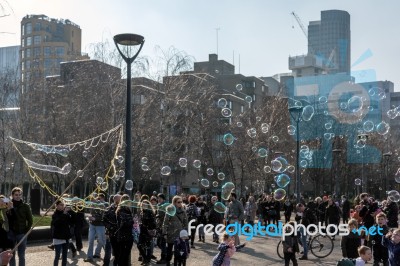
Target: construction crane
300, 24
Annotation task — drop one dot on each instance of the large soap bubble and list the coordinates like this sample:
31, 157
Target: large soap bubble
279, 194
219, 207
282, 180
308, 113
394, 195
368, 126
166, 170
227, 190
204, 182
129, 185
382, 128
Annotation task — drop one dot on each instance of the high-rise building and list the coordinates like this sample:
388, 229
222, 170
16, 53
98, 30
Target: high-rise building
329, 44
45, 42
329, 39
9, 59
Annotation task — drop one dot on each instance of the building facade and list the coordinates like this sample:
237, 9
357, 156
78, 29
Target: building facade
45, 43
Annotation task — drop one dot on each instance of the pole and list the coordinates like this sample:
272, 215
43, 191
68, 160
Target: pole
128, 125
297, 161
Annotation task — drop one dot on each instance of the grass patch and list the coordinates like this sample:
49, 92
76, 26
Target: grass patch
44, 221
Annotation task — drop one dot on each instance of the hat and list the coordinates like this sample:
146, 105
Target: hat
161, 195
183, 234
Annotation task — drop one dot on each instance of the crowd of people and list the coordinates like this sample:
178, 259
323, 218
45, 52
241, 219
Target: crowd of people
119, 226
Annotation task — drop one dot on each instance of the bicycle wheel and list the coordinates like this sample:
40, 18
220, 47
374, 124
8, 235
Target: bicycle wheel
279, 249
321, 246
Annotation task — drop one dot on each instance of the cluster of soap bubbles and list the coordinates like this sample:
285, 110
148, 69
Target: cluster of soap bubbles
225, 111
144, 162
306, 156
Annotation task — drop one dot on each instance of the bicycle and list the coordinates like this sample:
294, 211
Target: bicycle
321, 246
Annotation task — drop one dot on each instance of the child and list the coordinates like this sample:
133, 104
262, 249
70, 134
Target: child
181, 249
351, 242
380, 252
392, 242
226, 251
365, 255
60, 224
290, 247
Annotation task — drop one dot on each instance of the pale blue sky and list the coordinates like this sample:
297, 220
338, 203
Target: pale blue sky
259, 30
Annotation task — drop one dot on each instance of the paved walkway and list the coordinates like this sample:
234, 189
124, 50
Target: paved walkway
259, 251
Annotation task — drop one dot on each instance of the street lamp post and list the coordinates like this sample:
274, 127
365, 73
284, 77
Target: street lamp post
295, 113
386, 157
128, 42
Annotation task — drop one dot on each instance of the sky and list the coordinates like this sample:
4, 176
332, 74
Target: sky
262, 32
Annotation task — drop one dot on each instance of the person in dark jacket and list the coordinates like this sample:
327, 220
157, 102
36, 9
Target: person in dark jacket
20, 219
5, 243
290, 248
380, 252
368, 209
345, 209
287, 210
161, 242
215, 218
307, 217
192, 214
350, 243
332, 214
392, 213
392, 242
124, 232
61, 223
181, 249
111, 225
147, 230
202, 219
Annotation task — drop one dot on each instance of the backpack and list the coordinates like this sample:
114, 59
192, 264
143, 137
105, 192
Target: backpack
192, 212
346, 262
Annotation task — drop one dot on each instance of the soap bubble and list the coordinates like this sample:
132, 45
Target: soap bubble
104, 186
166, 170
219, 207
80, 173
291, 169
129, 185
394, 195
392, 113
279, 194
197, 164
99, 180
215, 184
226, 112
303, 163
85, 153
204, 182
397, 176
121, 173
221, 176
282, 180
248, 99
322, 100
357, 181
360, 143
267, 169
222, 103
170, 210
120, 159
226, 190
328, 125
144, 160
382, 128
291, 130
239, 124
308, 113
275, 138
327, 136
228, 139
262, 152
210, 171
239, 87
252, 132
368, 126
145, 167
355, 104
264, 128
276, 165
182, 162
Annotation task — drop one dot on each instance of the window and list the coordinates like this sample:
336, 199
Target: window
242, 109
28, 64
22, 54
46, 50
47, 63
60, 51
28, 41
37, 51
28, 52
38, 26
23, 42
28, 28
22, 30
37, 39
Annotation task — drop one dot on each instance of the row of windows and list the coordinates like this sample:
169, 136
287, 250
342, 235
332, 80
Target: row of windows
47, 63
59, 51
35, 40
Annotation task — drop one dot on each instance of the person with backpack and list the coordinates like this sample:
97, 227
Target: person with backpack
332, 214
192, 214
